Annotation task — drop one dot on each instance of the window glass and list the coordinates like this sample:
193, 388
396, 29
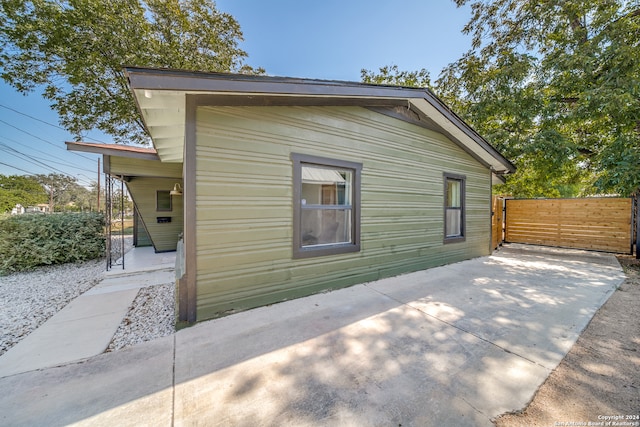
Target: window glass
453, 226
322, 226
323, 186
326, 205
326, 218
453, 193
454, 208
163, 200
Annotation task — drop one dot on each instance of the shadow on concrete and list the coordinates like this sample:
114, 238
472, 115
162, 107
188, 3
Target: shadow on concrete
454, 345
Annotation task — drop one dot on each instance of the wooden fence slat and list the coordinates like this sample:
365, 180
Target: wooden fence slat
594, 223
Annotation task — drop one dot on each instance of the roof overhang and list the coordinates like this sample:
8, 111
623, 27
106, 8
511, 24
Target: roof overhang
161, 96
497, 179
119, 150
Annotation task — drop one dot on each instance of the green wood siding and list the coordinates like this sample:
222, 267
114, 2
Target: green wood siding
245, 189
164, 236
151, 168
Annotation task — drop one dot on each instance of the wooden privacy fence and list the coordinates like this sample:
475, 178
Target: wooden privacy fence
601, 224
497, 221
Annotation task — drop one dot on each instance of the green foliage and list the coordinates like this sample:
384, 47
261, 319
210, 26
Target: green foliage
76, 198
31, 240
555, 86
391, 75
75, 51
57, 186
23, 190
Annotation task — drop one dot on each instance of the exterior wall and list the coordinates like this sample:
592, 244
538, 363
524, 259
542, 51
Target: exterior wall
145, 178
140, 167
244, 203
164, 236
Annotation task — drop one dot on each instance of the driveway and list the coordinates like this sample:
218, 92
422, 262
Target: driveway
453, 345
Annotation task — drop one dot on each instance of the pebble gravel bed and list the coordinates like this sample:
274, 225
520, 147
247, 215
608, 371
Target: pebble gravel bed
150, 316
28, 299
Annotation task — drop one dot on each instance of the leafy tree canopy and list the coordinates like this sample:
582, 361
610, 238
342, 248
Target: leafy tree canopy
555, 86
58, 187
392, 75
75, 50
75, 197
18, 189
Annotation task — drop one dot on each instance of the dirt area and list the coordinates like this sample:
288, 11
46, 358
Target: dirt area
600, 377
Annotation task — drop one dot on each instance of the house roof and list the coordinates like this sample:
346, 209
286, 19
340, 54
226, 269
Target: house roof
161, 96
146, 153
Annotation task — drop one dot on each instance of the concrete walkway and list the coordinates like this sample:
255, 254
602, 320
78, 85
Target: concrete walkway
85, 327
454, 345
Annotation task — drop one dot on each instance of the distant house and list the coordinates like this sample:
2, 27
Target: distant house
287, 187
17, 210
40, 208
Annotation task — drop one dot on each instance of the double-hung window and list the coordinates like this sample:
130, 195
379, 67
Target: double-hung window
326, 214
454, 215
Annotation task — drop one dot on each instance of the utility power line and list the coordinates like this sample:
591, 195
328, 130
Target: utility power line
13, 141
21, 170
31, 156
41, 139
63, 164
30, 159
27, 158
42, 121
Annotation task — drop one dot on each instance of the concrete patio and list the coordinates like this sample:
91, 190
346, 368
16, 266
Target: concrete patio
453, 345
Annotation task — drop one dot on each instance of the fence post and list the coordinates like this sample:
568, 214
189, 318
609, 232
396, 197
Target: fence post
637, 219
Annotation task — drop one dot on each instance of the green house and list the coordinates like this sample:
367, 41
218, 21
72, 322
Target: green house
294, 186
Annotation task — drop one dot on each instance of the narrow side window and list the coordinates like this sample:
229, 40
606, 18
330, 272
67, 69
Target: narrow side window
454, 211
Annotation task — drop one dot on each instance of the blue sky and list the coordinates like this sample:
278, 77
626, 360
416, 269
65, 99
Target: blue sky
326, 39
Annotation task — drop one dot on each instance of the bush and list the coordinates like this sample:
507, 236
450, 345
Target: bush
27, 241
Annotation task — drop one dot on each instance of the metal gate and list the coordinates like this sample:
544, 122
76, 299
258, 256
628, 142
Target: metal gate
114, 212
599, 223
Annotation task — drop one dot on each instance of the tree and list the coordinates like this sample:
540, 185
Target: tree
75, 198
555, 85
18, 189
57, 185
392, 75
75, 51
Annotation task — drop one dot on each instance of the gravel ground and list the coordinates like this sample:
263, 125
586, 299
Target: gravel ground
30, 298
151, 316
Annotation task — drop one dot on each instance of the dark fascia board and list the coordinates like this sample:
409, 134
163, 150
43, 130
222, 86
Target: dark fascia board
299, 101
257, 86
178, 80
116, 150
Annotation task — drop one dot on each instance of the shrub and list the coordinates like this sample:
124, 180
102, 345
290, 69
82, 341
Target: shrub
27, 241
